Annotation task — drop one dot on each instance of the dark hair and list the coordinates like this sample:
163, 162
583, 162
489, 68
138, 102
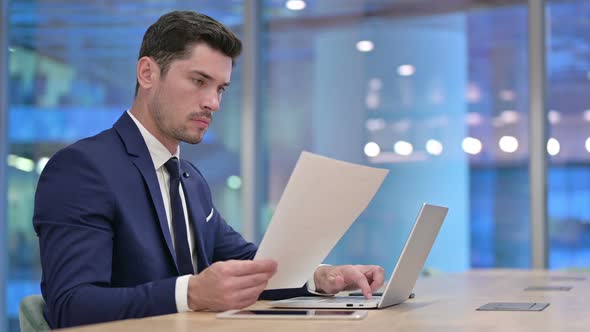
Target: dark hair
170, 37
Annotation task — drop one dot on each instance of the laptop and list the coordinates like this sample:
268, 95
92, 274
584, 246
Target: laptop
404, 276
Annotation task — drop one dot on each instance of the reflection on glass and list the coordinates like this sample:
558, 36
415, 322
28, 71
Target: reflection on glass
434, 147
568, 60
72, 74
553, 146
367, 90
499, 177
508, 144
393, 92
471, 145
372, 149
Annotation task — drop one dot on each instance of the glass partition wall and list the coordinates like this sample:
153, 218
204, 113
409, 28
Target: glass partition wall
71, 69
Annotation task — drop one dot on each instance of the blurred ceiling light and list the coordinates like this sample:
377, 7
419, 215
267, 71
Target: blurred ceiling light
373, 101
508, 144
471, 145
473, 118
234, 182
497, 121
41, 164
295, 4
553, 146
11, 49
588, 144
434, 147
473, 93
509, 116
20, 163
507, 95
554, 116
406, 70
403, 148
375, 84
587, 115
365, 46
437, 121
402, 125
372, 149
375, 124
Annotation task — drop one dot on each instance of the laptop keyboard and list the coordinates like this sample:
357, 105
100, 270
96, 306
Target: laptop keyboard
354, 299
339, 299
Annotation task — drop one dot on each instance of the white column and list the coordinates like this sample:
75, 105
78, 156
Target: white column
538, 135
3, 155
250, 151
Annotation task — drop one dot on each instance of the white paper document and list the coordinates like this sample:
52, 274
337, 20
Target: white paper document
322, 199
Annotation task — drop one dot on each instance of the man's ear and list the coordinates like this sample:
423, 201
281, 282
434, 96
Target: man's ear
148, 72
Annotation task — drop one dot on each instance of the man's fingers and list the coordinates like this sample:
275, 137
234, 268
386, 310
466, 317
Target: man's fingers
375, 285
245, 297
335, 284
356, 279
378, 276
251, 280
331, 284
363, 284
230, 284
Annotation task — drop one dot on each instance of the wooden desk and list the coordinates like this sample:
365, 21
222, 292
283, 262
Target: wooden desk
442, 303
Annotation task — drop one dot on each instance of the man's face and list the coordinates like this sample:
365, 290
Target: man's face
186, 97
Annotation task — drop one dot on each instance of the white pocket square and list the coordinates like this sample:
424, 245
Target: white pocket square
209, 216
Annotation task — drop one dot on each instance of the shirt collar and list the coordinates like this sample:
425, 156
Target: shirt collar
160, 155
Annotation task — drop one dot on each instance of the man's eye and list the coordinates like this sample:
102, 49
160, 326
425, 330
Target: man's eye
221, 90
198, 81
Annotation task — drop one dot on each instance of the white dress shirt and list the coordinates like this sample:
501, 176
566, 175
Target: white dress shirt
160, 155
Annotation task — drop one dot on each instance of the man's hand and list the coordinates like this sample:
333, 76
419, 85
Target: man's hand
333, 279
229, 285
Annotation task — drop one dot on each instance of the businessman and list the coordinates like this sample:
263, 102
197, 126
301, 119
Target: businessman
127, 228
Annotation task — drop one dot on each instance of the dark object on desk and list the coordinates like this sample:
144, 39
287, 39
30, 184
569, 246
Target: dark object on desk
294, 314
284, 293
513, 306
549, 288
412, 295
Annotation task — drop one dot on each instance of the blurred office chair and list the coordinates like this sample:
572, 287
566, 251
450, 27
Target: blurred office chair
30, 314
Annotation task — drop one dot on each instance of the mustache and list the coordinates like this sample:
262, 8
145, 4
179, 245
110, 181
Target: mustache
201, 115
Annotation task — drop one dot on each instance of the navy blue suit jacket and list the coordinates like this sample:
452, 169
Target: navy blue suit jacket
105, 244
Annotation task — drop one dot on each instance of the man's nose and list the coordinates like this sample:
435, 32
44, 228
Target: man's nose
211, 100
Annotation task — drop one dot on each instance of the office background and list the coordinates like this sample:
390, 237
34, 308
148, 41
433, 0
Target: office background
435, 91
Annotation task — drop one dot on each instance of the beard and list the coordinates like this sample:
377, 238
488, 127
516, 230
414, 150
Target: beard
163, 119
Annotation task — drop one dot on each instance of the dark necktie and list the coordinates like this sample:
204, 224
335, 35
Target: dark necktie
183, 252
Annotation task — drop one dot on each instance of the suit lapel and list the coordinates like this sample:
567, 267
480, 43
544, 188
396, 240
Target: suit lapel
196, 213
136, 147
